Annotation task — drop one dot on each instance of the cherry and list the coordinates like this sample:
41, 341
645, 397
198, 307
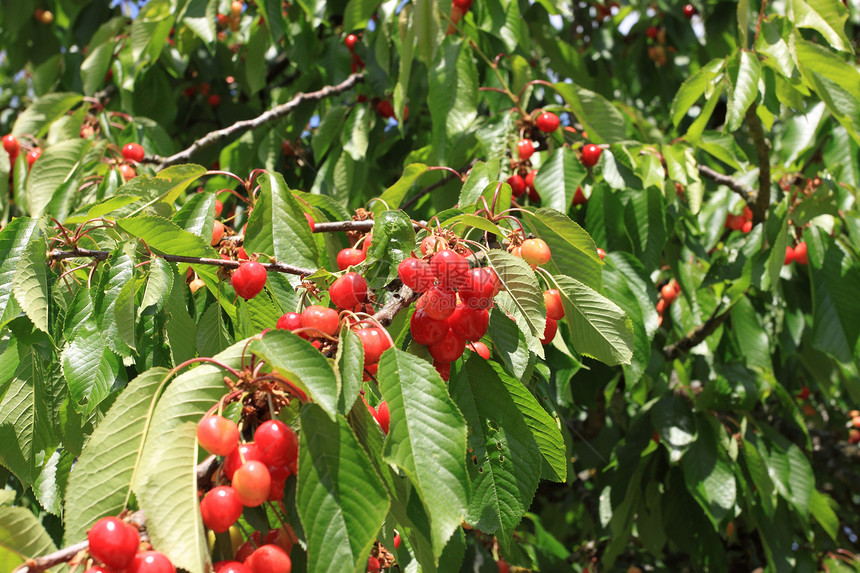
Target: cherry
348, 290
113, 542
252, 482
789, 255
525, 149
469, 323
480, 287
269, 559
375, 342
747, 227
219, 208
290, 321
579, 197
235, 459
133, 152
552, 300
99, 569
689, 11
220, 508
535, 251
503, 566
464, 5
652, 32
217, 435
800, 254
151, 562
534, 196
518, 185
230, 567
450, 268
370, 372
127, 171
34, 154
530, 179
279, 481
547, 122
11, 145
277, 442
385, 109
661, 306
438, 303
432, 244
311, 223
397, 541
322, 318
601, 253
443, 368
383, 416
590, 155
249, 279
350, 41
668, 293
350, 257
214, 100
416, 274
549, 331
426, 330
449, 349
480, 349
205, 88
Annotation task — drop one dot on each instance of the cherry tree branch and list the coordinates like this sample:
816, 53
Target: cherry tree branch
276, 112
730, 182
696, 335
399, 300
762, 147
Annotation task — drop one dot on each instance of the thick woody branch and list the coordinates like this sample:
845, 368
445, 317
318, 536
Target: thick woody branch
399, 300
762, 147
730, 182
259, 121
697, 335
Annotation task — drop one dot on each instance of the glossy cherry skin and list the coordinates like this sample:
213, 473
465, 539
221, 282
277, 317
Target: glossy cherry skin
290, 321
151, 562
480, 349
416, 274
518, 185
350, 257
579, 197
469, 323
230, 567
322, 318
99, 569
552, 301
450, 268
383, 416
438, 303
443, 368
220, 508
426, 330
669, 293
350, 41
269, 559
548, 122
385, 109
375, 342
217, 435
800, 254
530, 179
249, 279
277, 442
549, 331
535, 251
252, 482
464, 5
239, 456
34, 154
480, 287
127, 171
11, 145
591, 155
311, 223
525, 149
449, 349
348, 290
219, 208
133, 152
689, 11
113, 542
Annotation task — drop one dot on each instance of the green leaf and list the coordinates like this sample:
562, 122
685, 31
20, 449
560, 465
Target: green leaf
744, 80
329, 129
150, 29
801, 480
340, 499
823, 507
90, 368
558, 178
38, 117
164, 236
453, 95
645, 217
478, 179
518, 280
673, 419
356, 132
113, 300
165, 483
510, 344
278, 225
827, 17
835, 81
255, 59
22, 537
96, 66
179, 327
54, 168
212, 336
393, 241
159, 283
602, 120
426, 439
301, 363
350, 368
357, 13
505, 462
709, 476
394, 195
693, 88
166, 187
771, 43
101, 481
834, 302
198, 215
14, 239
199, 16
598, 326
426, 29
573, 249
30, 284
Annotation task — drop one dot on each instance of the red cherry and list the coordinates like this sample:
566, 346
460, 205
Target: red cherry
503, 566
668, 293
229, 567
249, 279
416, 274
464, 5
383, 416
350, 41
217, 435
290, 321
652, 32
449, 349
11, 145
525, 149
450, 268
433, 244
269, 559
348, 290
375, 342
251, 483
747, 227
279, 482
214, 100
365, 245
34, 154
113, 542
151, 562
661, 306
549, 331
385, 109
217, 233
242, 454
311, 223
518, 185
277, 442
127, 171
321, 318
373, 565
579, 197
133, 152
480, 349
219, 208
601, 253
469, 323
220, 508
530, 179
438, 303
443, 368
689, 11
590, 155
397, 541
800, 254
747, 213
535, 251
350, 257
99, 569
426, 330
547, 122
552, 300
789, 255
480, 287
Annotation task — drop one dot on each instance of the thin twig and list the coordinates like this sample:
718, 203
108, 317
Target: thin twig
697, 335
414, 199
730, 182
762, 147
270, 115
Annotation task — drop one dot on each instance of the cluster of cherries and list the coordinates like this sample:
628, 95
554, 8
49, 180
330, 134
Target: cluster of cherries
742, 222
458, 10
355, 63
131, 153
854, 424
668, 293
257, 472
796, 254
116, 544
231, 21
13, 148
